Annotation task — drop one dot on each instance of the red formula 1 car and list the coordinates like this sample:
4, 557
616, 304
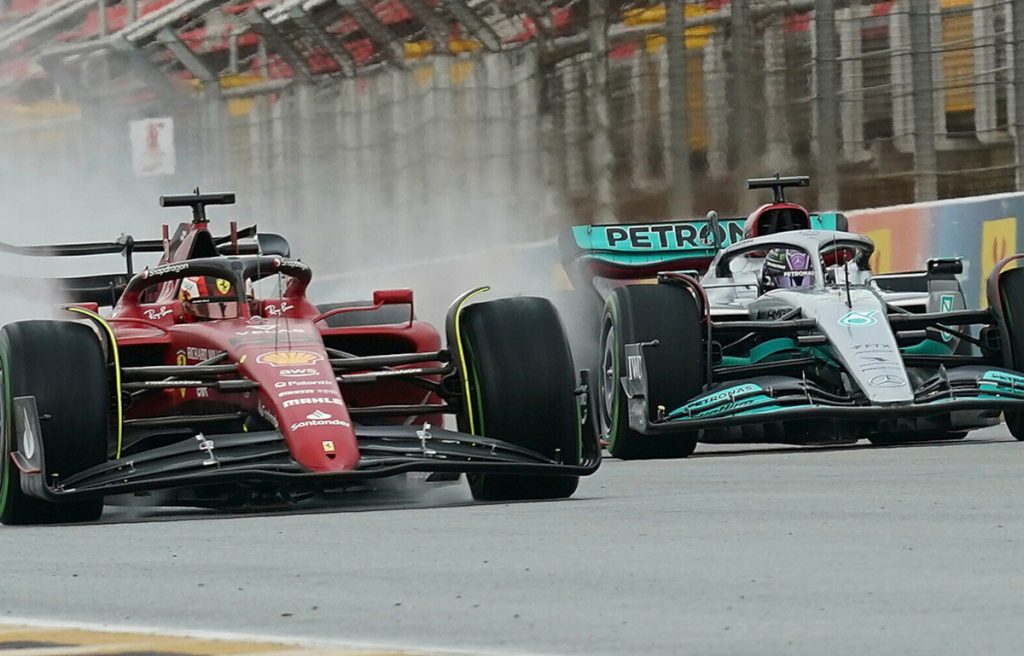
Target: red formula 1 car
192, 391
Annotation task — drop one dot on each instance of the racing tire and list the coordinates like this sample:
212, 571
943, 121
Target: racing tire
63, 366
1011, 288
522, 385
386, 314
675, 368
580, 311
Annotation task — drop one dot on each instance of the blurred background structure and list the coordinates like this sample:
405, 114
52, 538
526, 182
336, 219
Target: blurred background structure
430, 125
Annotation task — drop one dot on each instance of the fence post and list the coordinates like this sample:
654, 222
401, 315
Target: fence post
680, 191
742, 130
600, 122
985, 93
826, 103
925, 159
1018, 90
778, 154
851, 84
716, 105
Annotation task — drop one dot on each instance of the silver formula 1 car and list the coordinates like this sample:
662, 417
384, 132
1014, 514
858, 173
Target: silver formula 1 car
815, 350
788, 337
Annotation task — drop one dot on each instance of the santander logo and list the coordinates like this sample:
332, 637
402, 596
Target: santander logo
319, 418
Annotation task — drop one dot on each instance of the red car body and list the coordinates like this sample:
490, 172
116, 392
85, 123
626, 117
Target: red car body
286, 398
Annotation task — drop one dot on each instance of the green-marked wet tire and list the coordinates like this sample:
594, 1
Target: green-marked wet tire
1011, 288
522, 386
62, 365
675, 368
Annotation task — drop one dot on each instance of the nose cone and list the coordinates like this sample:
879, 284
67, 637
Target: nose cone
865, 344
299, 393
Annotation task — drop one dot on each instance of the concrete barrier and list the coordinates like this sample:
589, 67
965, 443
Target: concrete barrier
980, 229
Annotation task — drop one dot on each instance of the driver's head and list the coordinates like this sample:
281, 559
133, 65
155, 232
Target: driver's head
208, 297
786, 268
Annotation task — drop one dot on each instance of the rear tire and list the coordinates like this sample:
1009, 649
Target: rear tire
63, 366
522, 385
675, 368
1011, 287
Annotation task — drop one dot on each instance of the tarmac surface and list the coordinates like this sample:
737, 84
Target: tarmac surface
737, 550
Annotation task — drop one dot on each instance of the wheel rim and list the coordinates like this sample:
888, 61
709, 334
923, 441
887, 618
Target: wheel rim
607, 379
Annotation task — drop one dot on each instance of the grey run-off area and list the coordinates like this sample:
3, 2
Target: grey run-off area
852, 550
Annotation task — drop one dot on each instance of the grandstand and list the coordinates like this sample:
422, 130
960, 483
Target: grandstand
757, 87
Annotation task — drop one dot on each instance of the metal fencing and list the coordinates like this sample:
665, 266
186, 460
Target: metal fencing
881, 102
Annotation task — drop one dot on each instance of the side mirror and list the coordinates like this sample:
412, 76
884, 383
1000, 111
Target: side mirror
273, 244
945, 266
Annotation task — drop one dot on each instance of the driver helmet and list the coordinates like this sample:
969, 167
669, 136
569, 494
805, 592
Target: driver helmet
786, 268
208, 297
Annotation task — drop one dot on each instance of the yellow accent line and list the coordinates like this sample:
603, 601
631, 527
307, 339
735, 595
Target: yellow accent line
117, 370
96, 642
462, 355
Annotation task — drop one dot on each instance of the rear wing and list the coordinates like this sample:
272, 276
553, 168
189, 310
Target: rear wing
638, 250
105, 289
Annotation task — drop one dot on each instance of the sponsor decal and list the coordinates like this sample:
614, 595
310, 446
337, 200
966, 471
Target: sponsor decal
298, 373
281, 384
1002, 378
319, 418
288, 358
197, 354
887, 380
167, 268
718, 397
736, 406
268, 329
223, 286
946, 302
998, 239
156, 315
278, 310
858, 319
312, 400
773, 313
182, 360
634, 364
690, 235
328, 446
268, 415
28, 438
285, 393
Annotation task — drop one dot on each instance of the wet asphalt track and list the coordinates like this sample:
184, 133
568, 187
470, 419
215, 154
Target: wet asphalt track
852, 550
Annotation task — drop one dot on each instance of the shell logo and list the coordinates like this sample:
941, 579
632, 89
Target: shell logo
288, 358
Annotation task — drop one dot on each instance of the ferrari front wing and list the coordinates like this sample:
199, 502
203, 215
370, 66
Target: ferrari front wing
262, 459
